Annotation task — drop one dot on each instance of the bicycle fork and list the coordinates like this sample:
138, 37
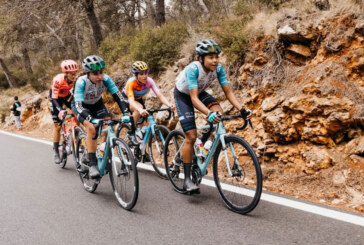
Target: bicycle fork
236, 162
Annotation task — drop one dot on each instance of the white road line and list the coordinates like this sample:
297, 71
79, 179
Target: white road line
306, 207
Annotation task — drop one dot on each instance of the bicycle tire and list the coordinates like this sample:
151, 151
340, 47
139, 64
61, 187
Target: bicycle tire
120, 173
81, 153
156, 157
250, 169
173, 162
77, 131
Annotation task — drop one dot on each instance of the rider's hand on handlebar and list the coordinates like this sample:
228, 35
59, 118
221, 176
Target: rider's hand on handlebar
125, 118
245, 114
173, 107
61, 114
213, 117
143, 112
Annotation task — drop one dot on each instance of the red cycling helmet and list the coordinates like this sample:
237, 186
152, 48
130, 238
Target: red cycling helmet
69, 66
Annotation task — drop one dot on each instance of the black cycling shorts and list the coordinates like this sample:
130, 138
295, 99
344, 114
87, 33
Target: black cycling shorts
54, 111
185, 108
140, 100
97, 110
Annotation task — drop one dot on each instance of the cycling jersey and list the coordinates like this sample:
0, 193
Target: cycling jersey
61, 87
135, 89
194, 76
88, 93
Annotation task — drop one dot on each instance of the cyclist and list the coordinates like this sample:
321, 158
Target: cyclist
138, 86
190, 92
60, 94
89, 106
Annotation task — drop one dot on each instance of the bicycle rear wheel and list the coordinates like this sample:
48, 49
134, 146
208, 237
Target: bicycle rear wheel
124, 175
173, 159
81, 154
155, 147
240, 192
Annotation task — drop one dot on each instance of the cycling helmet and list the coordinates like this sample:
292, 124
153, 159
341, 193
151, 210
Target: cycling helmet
69, 66
139, 66
207, 46
93, 63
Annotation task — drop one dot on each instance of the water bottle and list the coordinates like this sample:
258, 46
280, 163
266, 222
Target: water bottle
206, 147
100, 150
198, 147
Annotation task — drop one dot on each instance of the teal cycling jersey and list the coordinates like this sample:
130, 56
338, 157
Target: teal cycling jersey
194, 76
89, 92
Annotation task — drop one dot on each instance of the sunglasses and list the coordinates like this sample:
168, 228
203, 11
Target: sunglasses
98, 72
98, 66
73, 74
214, 49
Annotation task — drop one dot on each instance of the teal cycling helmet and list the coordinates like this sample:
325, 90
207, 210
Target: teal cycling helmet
206, 47
93, 63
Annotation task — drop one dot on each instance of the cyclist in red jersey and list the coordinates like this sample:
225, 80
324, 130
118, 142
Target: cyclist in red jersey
60, 94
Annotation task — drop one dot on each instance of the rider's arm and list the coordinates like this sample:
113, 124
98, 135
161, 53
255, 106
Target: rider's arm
158, 93
131, 98
197, 102
58, 106
231, 96
109, 83
79, 98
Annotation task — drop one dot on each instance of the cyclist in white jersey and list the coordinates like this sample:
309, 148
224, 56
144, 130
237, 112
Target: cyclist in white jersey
190, 93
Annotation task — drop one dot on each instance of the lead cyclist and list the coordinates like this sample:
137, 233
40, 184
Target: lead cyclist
189, 93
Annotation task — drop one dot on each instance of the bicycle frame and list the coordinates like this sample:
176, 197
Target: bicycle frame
150, 130
102, 162
219, 136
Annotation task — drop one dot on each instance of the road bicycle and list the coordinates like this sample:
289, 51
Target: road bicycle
153, 138
69, 136
116, 159
236, 169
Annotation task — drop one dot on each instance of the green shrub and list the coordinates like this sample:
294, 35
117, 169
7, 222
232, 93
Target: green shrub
116, 46
159, 47
231, 36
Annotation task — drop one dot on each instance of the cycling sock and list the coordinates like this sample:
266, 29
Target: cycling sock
55, 146
92, 158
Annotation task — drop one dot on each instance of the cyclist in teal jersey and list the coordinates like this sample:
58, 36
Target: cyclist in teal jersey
190, 93
88, 104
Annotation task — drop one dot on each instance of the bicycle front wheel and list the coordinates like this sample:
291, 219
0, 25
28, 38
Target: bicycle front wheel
237, 175
156, 146
77, 131
81, 154
173, 159
124, 175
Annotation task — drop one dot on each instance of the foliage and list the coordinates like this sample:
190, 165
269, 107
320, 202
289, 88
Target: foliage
116, 46
159, 46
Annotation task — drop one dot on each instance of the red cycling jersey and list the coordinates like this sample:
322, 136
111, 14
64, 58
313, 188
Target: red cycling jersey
60, 86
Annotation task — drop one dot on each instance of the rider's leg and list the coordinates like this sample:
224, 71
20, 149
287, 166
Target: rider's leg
187, 153
216, 108
56, 138
91, 149
134, 110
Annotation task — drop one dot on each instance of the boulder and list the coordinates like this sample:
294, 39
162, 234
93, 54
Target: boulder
359, 28
271, 103
300, 50
317, 158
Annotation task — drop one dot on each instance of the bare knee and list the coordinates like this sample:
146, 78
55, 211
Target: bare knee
191, 136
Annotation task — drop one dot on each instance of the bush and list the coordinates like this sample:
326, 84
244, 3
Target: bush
159, 47
115, 47
231, 37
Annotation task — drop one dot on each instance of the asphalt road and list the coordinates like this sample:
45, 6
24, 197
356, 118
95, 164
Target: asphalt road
43, 204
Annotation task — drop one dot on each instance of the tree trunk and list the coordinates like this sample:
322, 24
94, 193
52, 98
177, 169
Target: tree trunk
203, 6
79, 45
26, 59
160, 13
150, 9
91, 15
8, 75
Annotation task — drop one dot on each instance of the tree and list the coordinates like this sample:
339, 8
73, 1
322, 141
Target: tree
95, 25
160, 17
8, 75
